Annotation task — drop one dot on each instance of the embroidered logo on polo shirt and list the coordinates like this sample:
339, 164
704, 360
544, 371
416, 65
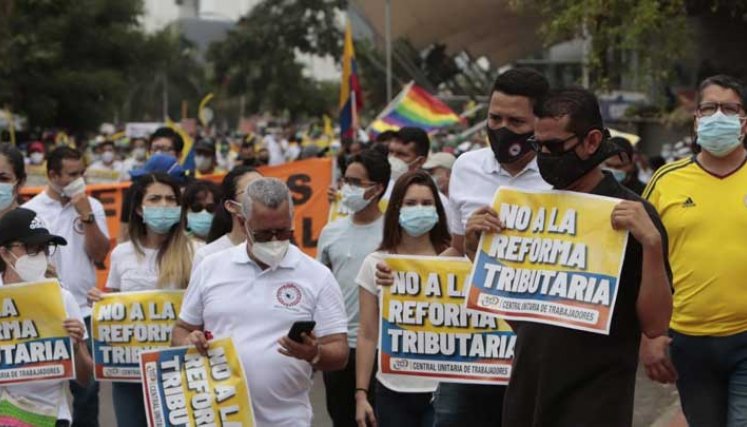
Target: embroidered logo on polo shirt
289, 295
689, 203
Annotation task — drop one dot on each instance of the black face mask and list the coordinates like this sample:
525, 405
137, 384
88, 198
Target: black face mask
508, 146
562, 170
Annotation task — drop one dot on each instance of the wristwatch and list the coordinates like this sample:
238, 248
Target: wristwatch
87, 218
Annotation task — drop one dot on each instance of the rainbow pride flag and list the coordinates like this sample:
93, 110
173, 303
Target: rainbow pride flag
414, 106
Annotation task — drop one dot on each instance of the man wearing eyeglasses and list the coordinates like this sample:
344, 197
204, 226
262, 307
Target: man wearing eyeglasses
702, 201
254, 293
343, 245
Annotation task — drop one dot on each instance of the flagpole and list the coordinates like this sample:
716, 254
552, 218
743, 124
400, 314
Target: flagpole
354, 118
388, 42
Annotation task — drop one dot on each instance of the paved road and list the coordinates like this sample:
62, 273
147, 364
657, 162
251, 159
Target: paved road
654, 404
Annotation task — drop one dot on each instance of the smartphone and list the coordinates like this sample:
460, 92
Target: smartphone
300, 327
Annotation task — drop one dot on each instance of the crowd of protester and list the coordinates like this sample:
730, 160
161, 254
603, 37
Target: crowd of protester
229, 245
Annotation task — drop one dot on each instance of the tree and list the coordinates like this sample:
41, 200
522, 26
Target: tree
656, 33
616, 28
259, 58
65, 62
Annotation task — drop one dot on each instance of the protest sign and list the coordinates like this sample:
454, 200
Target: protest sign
125, 324
425, 330
557, 261
183, 388
34, 344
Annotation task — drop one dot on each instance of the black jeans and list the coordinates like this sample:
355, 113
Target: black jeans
474, 405
712, 378
86, 399
339, 387
395, 409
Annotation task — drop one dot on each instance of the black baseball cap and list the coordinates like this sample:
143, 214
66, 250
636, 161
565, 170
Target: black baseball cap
23, 225
205, 146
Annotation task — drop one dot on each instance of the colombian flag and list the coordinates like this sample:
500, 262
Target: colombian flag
351, 97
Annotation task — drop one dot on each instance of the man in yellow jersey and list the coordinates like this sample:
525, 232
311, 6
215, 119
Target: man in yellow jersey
702, 202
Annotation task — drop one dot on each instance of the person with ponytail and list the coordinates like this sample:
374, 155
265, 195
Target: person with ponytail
157, 256
227, 228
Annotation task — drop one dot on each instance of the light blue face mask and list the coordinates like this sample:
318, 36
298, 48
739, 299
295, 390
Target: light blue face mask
199, 222
617, 174
418, 220
719, 134
6, 195
160, 219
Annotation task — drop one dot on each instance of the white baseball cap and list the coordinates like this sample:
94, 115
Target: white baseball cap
440, 160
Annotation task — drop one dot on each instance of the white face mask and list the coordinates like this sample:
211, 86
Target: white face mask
107, 156
353, 198
31, 268
399, 167
74, 188
270, 253
36, 158
139, 153
202, 162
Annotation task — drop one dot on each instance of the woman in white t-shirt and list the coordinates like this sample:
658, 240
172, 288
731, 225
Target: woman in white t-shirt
414, 224
227, 228
25, 246
157, 256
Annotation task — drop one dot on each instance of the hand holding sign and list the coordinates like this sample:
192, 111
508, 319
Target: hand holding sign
384, 276
199, 341
75, 329
483, 220
632, 216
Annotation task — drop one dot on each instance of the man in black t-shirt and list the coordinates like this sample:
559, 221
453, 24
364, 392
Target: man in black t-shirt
566, 377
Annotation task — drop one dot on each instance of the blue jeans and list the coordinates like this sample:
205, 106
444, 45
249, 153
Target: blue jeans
474, 405
86, 399
394, 409
712, 378
129, 408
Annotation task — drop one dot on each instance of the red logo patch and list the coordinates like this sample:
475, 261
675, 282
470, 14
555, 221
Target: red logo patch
289, 295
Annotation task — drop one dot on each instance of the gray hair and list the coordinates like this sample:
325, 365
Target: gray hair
270, 192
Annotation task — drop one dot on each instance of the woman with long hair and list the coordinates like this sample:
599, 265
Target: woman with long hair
227, 229
157, 256
414, 224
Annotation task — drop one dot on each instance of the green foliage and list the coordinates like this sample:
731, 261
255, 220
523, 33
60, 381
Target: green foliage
65, 61
258, 58
655, 30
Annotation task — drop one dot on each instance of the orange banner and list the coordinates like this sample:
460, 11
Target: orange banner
307, 180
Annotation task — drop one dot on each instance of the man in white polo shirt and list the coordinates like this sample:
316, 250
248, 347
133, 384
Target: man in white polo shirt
79, 219
254, 293
475, 177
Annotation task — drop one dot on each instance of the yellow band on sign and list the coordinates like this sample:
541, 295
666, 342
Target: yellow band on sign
126, 324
